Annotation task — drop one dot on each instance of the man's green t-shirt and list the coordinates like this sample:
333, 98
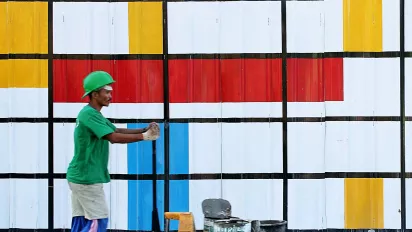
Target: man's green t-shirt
91, 152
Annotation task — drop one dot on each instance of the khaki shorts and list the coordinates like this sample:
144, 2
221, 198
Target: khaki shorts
89, 201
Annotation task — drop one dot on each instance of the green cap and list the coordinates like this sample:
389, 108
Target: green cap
96, 80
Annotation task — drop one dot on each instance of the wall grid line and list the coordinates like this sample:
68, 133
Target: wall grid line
402, 111
284, 110
50, 123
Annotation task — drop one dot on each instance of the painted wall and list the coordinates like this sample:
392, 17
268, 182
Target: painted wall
322, 152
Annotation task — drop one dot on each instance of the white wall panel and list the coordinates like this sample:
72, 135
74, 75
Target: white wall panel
28, 203
306, 211
392, 203
226, 110
334, 203
408, 147
391, 25
115, 110
362, 147
408, 85
63, 146
306, 146
205, 147
198, 191
224, 27
90, 28
15, 103
309, 38
254, 199
62, 204
333, 24
5, 203
251, 148
24, 147
5, 132
408, 26
408, 191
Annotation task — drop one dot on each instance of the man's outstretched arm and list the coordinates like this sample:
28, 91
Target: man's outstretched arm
130, 131
133, 131
152, 133
123, 138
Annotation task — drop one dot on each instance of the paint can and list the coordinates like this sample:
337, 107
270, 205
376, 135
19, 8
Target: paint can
232, 224
268, 226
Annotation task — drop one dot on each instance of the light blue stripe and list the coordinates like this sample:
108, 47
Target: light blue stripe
179, 164
140, 191
139, 155
179, 148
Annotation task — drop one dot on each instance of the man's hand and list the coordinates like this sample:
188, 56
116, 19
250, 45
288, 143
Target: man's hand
150, 125
152, 133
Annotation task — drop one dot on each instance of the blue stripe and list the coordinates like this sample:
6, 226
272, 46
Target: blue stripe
140, 191
179, 164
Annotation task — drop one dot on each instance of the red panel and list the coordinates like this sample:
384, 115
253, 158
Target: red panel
333, 72
315, 80
137, 81
194, 80
228, 80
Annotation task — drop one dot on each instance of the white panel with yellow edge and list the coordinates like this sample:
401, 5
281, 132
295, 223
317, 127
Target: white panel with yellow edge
23, 88
107, 28
305, 26
332, 204
343, 25
90, 28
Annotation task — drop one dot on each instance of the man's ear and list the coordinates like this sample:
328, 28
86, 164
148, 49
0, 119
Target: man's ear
94, 94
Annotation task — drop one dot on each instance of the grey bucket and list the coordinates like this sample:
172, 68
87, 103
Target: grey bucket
268, 226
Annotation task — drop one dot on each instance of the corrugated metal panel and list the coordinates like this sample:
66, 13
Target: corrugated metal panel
231, 122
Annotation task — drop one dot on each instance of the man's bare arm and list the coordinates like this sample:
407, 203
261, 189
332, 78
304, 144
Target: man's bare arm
123, 138
130, 131
134, 131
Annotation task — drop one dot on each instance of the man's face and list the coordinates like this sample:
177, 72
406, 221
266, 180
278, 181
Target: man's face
103, 96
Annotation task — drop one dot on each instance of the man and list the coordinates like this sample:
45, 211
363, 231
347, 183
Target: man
88, 170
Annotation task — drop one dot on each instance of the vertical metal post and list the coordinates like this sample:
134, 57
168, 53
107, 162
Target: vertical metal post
402, 100
166, 114
50, 117
284, 112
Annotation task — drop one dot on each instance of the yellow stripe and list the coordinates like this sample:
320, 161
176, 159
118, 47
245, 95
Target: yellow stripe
363, 203
362, 25
23, 73
4, 47
145, 28
23, 27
